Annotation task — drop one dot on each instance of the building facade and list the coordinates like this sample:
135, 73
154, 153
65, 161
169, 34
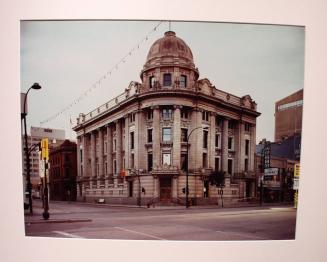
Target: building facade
63, 172
288, 116
134, 147
277, 175
55, 136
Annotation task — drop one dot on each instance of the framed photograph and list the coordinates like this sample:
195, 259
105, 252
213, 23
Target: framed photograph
191, 133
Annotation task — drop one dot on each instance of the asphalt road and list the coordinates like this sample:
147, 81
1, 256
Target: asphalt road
160, 223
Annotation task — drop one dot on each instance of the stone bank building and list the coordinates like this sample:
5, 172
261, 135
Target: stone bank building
134, 147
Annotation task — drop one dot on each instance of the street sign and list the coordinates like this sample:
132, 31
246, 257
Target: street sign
45, 148
42, 168
271, 171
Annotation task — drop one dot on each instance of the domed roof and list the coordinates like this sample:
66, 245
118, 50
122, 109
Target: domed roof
167, 51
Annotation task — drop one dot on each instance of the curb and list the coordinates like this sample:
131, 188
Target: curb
58, 221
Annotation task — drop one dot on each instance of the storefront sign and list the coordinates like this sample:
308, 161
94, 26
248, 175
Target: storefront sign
296, 184
273, 171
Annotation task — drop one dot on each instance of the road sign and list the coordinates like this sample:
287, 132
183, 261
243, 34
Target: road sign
45, 148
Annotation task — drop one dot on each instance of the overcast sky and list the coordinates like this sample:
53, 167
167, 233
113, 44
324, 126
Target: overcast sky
67, 57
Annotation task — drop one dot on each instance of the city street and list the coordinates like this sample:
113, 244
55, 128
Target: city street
80, 220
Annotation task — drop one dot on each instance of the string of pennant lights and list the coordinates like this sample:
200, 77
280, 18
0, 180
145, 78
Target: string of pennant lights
108, 74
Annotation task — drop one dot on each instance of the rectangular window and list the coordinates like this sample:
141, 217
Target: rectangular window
149, 135
247, 144
132, 140
182, 81
152, 81
218, 121
231, 124
217, 164
115, 167
132, 160
150, 114
115, 145
217, 140
166, 159
167, 80
183, 135
105, 147
130, 189
205, 116
132, 117
81, 155
184, 162
205, 139
230, 166
166, 134
106, 168
204, 160
184, 113
247, 127
150, 161
230, 143
167, 113
246, 164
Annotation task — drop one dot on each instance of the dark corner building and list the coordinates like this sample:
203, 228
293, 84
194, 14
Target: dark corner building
284, 153
63, 170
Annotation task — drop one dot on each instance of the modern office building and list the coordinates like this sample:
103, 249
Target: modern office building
167, 131
55, 136
288, 116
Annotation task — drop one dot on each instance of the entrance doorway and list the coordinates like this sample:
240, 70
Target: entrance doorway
165, 189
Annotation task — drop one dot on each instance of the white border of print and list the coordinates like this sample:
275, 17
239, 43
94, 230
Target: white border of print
311, 220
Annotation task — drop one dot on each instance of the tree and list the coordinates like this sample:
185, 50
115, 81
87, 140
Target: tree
217, 178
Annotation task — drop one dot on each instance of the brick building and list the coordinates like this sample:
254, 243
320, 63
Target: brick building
63, 172
135, 145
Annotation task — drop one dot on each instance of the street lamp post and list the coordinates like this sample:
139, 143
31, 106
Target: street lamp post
187, 145
35, 86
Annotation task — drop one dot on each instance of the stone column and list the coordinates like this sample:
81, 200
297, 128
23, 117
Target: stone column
93, 154
136, 142
101, 165
118, 146
155, 187
127, 137
252, 148
198, 135
156, 137
240, 164
141, 133
224, 146
79, 164
195, 141
85, 156
212, 141
174, 187
109, 150
177, 137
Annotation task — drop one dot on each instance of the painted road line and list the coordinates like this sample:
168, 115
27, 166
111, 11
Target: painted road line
67, 234
140, 233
